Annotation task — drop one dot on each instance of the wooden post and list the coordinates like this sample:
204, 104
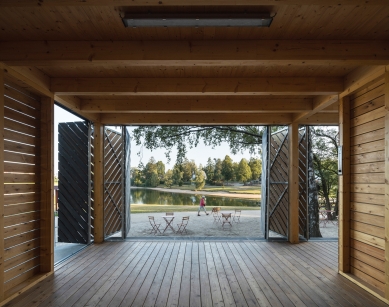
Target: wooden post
2, 182
386, 93
293, 225
99, 183
47, 185
344, 186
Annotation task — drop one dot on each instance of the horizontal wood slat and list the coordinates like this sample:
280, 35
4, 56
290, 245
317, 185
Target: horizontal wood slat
21, 198
368, 147
368, 178
368, 137
21, 258
22, 248
20, 138
19, 158
368, 249
376, 167
369, 279
368, 117
375, 188
367, 93
370, 157
26, 98
19, 117
368, 106
21, 208
21, 278
20, 168
21, 218
21, 107
368, 127
20, 188
376, 199
368, 239
21, 148
20, 178
19, 127
21, 228
368, 208
368, 229
368, 218
21, 238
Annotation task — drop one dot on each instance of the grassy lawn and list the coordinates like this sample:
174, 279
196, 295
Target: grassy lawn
170, 208
229, 189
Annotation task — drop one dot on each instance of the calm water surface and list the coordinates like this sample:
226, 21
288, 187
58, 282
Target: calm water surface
145, 196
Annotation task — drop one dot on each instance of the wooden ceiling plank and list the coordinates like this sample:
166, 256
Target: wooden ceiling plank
147, 3
319, 104
195, 119
325, 119
188, 53
258, 105
197, 86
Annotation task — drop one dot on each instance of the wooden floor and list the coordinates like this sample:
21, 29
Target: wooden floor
199, 273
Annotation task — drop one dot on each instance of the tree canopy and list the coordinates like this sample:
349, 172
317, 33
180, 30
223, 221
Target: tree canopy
239, 138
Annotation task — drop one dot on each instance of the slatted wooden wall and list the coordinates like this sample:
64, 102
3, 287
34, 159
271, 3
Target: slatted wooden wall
22, 187
367, 245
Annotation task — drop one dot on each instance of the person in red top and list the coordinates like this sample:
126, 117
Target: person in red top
202, 206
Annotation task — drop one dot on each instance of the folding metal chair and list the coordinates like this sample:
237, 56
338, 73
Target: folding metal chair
226, 219
155, 227
236, 216
215, 214
182, 227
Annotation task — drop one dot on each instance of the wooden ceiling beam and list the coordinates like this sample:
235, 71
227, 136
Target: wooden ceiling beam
324, 119
258, 105
195, 119
189, 53
319, 104
197, 86
158, 3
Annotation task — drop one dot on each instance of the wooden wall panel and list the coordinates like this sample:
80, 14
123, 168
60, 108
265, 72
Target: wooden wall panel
367, 186
22, 187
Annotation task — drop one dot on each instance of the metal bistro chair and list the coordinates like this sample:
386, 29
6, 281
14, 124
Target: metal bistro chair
155, 227
169, 213
182, 227
215, 213
226, 218
236, 216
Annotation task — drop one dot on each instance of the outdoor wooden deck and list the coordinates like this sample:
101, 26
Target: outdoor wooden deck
197, 273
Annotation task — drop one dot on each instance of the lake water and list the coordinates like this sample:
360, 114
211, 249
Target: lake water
145, 196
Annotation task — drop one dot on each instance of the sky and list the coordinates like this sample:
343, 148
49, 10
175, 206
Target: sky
200, 154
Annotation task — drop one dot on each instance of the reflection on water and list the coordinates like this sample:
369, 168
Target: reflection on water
145, 196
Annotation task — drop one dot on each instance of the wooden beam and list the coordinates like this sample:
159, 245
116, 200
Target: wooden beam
197, 86
200, 53
344, 186
194, 119
319, 104
74, 104
362, 77
98, 143
293, 187
386, 91
199, 105
157, 3
47, 186
321, 119
2, 182
30, 78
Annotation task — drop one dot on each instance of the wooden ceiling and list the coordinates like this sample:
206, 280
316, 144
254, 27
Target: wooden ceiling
292, 71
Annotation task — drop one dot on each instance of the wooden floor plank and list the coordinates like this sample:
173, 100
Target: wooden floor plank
151, 297
217, 297
104, 298
144, 289
199, 273
287, 285
166, 283
240, 264
236, 288
205, 288
147, 272
225, 288
195, 288
110, 275
185, 290
174, 291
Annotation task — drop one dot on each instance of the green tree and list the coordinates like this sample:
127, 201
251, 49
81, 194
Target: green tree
199, 179
218, 176
227, 168
168, 178
188, 169
256, 168
244, 171
161, 170
209, 170
151, 173
177, 175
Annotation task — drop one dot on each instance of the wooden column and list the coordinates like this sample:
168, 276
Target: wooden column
2, 182
47, 185
99, 183
344, 186
386, 93
293, 226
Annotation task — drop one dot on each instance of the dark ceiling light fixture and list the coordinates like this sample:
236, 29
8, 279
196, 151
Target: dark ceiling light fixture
197, 20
